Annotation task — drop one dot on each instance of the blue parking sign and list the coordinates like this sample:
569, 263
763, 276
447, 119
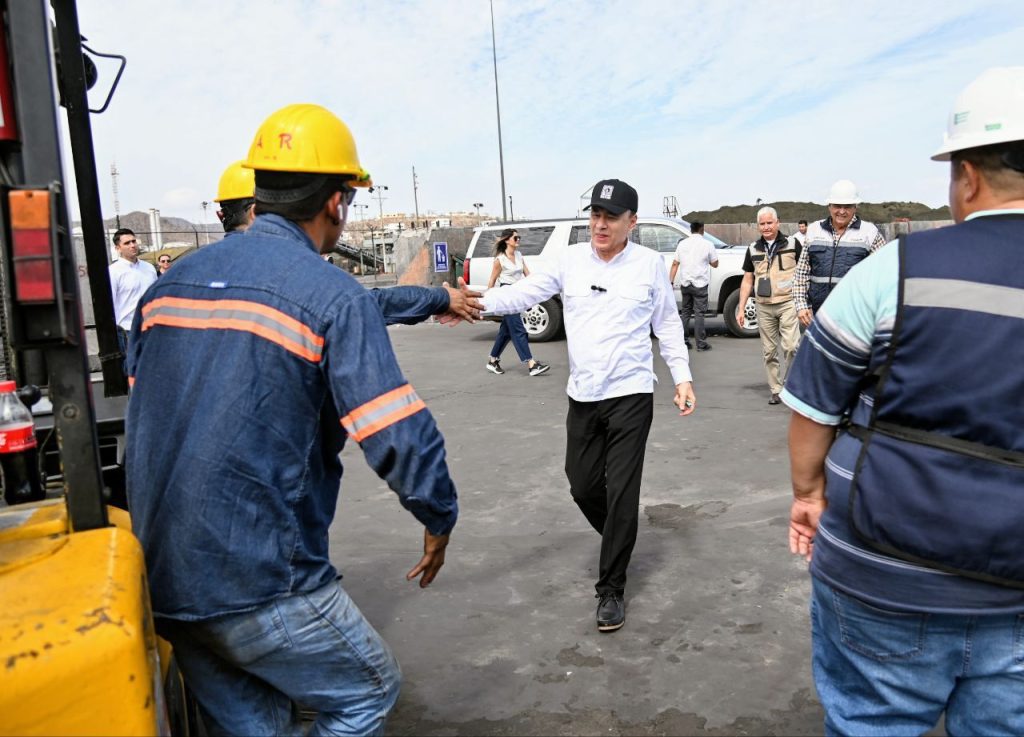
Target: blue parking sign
441, 256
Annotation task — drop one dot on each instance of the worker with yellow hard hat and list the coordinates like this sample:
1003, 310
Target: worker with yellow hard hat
253, 361
236, 195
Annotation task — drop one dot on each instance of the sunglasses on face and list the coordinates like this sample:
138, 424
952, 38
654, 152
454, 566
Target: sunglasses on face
348, 193
514, 238
165, 261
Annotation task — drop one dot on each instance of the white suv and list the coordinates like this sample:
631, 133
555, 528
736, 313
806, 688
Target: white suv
541, 240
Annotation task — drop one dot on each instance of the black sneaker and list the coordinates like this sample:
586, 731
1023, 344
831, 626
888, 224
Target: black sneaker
611, 612
495, 367
774, 399
539, 368
705, 347
689, 344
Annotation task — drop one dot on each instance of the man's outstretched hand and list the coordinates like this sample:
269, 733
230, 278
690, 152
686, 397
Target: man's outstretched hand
432, 560
463, 304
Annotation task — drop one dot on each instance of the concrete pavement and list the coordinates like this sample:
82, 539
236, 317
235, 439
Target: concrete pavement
716, 639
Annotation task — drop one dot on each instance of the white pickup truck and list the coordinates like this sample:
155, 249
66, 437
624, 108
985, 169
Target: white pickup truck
541, 240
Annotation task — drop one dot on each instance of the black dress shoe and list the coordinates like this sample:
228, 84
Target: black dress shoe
774, 399
705, 347
688, 344
611, 612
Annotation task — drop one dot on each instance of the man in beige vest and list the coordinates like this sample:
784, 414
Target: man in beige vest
769, 266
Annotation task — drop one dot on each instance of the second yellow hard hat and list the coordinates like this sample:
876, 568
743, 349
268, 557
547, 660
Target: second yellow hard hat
236, 183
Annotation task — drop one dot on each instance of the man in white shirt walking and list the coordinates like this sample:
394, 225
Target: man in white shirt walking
129, 280
697, 256
614, 293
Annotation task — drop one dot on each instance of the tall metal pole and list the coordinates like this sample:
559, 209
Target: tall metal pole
117, 199
497, 105
415, 198
206, 231
381, 189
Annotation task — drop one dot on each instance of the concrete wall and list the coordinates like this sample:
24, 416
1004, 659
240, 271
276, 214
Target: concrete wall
744, 233
414, 255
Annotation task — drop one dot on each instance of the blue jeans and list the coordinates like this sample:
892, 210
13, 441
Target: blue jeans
250, 671
122, 343
512, 328
880, 672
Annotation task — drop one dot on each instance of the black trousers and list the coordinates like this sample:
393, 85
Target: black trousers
695, 304
604, 461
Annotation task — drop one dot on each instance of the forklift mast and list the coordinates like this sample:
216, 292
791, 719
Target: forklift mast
80, 652
42, 67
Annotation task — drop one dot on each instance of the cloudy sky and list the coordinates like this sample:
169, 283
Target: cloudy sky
715, 103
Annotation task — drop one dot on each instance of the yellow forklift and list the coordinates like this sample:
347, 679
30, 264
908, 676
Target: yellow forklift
78, 651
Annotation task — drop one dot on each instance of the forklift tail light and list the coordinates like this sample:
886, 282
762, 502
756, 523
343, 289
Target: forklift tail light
32, 246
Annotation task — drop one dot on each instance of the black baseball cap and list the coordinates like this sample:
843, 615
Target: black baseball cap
615, 196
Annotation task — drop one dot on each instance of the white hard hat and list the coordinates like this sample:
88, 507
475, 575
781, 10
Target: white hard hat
843, 192
989, 110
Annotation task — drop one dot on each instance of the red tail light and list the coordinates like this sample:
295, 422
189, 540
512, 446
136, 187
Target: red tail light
32, 247
8, 123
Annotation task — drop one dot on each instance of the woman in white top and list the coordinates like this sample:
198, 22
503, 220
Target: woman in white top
509, 267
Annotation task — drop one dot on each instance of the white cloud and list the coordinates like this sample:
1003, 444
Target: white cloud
181, 199
716, 103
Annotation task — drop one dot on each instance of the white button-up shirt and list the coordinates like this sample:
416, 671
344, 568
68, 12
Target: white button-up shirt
129, 282
610, 308
695, 256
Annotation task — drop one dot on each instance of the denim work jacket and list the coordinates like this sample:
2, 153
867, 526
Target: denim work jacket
251, 362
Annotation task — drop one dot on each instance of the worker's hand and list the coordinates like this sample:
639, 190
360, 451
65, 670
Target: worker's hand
463, 304
432, 560
805, 316
803, 525
685, 399
740, 320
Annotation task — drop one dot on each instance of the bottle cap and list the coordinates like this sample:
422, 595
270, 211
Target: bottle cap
7, 386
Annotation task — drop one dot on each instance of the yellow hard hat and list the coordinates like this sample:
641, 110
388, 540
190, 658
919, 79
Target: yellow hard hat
308, 139
236, 183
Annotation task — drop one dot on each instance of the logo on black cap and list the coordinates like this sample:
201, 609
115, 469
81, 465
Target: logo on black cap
615, 196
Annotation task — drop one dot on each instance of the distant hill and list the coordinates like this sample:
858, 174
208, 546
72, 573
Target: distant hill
175, 230
790, 212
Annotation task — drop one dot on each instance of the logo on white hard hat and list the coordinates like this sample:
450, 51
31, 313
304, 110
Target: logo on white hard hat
606, 191
989, 111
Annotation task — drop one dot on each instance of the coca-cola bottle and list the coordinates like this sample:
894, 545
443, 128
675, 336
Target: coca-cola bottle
18, 455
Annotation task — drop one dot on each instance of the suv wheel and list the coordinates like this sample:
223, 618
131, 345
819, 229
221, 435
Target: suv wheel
749, 329
544, 321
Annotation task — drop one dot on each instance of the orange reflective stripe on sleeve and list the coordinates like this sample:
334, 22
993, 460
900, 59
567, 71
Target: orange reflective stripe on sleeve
382, 412
131, 381
235, 314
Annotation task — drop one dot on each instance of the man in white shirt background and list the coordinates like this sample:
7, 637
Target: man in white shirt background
801, 235
614, 293
130, 277
696, 256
